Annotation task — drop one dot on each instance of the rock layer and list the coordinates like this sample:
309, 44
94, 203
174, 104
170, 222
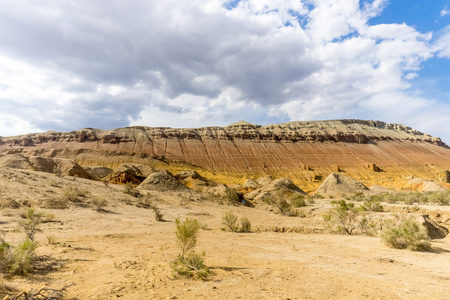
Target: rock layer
280, 150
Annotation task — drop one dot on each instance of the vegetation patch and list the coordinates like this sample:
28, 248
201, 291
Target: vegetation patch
406, 234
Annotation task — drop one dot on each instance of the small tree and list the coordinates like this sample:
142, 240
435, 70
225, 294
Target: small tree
345, 216
189, 263
32, 222
186, 233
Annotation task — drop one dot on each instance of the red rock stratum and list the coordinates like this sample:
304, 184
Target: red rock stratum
303, 151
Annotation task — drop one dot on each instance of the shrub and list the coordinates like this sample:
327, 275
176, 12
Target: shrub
357, 197
186, 233
406, 234
18, 260
158, 214
297, 200
99, 204
144, 202
32, 222
56, 203
372, 204
72, 194
279, 200
5, 256
246, 226
344, 215
230, 220
23, 258
189, 263
131, 190
368, 226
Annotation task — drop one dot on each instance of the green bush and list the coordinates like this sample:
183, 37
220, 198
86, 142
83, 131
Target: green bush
279, 199
23, 258
297, 200
32, 222
344, 217
17, 260
406, 234
230, 220
372, 204
186, 233
189, 263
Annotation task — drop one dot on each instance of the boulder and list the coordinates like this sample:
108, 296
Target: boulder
159, 181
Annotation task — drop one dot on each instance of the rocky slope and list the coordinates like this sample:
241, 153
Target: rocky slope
303, 151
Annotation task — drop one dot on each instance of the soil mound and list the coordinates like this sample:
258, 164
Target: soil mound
160, 181
340, 185
424, 185
281, 184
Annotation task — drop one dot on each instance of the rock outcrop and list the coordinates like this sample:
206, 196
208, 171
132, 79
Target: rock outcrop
294, 149
64, 167
161, 181
134, 173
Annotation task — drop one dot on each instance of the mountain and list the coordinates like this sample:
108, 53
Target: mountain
373, 152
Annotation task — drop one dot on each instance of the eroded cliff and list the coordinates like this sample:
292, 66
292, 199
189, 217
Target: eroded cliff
299, 150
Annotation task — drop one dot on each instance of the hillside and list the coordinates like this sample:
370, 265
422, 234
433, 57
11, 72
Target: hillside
306, 152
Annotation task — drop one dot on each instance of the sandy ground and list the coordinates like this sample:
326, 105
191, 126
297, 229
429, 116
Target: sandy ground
124, 253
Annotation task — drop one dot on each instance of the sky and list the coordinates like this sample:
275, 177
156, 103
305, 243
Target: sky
68, 65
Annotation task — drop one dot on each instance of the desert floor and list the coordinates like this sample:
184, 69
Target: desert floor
124, 253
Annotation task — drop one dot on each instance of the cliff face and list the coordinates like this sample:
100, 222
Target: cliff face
246, 148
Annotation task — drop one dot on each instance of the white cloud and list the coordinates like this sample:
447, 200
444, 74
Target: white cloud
442, 43
445, 11
195, 63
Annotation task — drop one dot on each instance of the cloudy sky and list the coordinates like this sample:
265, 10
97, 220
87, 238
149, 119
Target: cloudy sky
67, 65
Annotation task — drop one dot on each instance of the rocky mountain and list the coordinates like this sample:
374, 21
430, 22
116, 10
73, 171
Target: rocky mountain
303, 151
